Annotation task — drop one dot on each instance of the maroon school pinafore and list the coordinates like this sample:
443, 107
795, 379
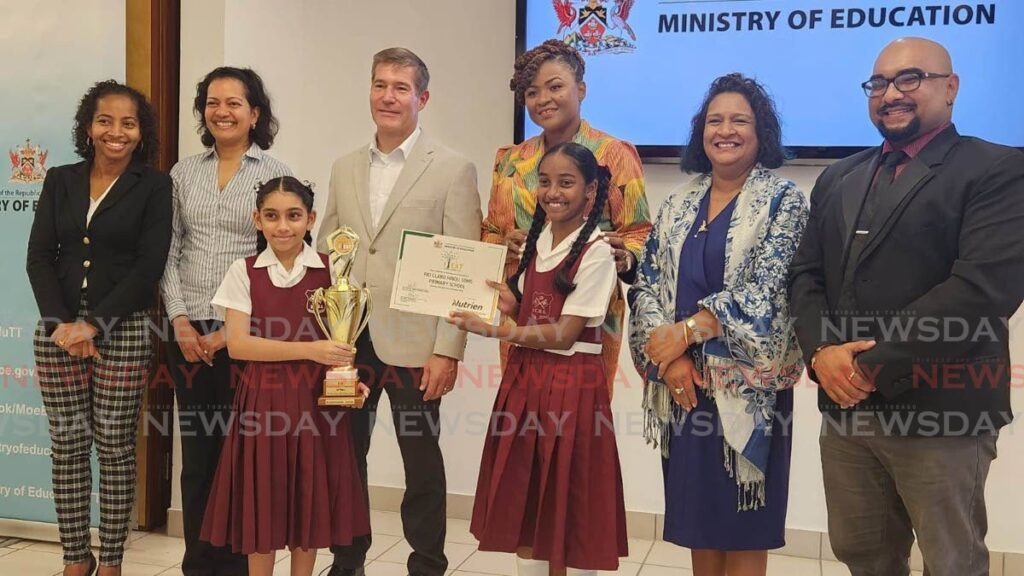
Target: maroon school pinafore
287, 475
549, 475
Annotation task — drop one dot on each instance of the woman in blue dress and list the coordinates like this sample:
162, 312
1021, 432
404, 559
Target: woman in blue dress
710, 332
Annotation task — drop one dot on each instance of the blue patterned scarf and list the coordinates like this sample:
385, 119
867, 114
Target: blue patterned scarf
757, 354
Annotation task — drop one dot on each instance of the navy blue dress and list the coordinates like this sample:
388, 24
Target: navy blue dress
701, 499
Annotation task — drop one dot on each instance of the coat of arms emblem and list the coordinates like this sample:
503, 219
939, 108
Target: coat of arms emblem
28, 163
593, 27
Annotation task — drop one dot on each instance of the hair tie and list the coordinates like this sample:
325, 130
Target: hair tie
259, 184
308, 184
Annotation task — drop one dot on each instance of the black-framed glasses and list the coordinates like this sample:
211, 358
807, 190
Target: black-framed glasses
904, 82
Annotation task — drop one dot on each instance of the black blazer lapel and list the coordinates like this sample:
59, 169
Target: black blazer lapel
914, 176
853, 190
124, 183
77, 191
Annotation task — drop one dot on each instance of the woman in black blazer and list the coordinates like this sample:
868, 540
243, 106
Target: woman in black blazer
96, 252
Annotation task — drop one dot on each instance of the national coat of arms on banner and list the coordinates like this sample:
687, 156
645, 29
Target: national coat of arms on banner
596, 26
28, 163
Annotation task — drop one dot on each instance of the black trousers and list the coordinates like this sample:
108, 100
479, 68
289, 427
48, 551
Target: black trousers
417, 427
205, 396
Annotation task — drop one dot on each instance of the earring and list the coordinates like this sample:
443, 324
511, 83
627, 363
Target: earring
88, 141
253, 127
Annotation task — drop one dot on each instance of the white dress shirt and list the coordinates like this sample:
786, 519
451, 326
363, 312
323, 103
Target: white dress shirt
212, 228
384, 171
234, 290
596, 279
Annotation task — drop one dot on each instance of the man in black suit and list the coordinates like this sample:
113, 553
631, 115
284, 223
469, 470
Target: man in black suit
910, 267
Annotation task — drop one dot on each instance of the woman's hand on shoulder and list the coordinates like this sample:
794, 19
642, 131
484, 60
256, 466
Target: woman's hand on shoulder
514, 241
330, 353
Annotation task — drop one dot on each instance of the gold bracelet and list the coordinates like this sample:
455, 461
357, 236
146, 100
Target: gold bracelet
692, 325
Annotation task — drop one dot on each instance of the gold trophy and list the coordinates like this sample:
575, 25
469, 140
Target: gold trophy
347, 309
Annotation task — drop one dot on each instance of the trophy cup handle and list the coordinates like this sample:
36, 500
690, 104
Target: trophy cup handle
366, 312
317, 301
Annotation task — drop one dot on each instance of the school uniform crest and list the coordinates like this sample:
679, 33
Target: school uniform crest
540, 306
28, 163
596, 26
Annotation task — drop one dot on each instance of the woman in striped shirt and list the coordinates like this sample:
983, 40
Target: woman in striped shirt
548, 81
214, 199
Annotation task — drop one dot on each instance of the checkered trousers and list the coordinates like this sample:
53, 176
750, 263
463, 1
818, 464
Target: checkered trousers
94, 401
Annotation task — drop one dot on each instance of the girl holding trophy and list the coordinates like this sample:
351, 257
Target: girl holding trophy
550, 484
287, 475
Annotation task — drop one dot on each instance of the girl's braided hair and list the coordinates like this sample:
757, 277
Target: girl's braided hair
592, 172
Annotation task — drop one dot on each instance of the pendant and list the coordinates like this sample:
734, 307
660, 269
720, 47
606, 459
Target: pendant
703, 227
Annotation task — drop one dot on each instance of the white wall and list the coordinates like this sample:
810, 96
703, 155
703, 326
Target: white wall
315, 55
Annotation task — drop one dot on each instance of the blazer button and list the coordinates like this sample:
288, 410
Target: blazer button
85, 240
373, 250
86, 263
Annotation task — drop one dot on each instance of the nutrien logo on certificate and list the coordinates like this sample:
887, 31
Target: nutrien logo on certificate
437, 274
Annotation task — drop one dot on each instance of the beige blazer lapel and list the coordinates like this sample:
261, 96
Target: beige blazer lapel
361, 184
421, 157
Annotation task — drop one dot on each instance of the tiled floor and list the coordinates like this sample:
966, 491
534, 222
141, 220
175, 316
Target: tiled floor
152, 554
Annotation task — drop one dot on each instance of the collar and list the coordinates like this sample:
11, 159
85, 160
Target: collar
546, 250
254, 152
405, 147
308, 258
914, 147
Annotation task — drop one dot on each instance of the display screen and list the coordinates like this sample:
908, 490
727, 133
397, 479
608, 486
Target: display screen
650, 62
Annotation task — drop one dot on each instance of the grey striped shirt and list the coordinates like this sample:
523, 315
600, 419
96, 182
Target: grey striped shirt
212, 228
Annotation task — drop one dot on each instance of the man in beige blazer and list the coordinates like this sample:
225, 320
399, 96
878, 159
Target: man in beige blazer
403, 180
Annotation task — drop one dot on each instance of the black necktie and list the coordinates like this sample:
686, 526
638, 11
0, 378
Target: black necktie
884, 181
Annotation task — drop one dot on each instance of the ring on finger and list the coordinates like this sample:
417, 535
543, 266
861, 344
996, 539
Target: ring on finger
679, 390
851, 375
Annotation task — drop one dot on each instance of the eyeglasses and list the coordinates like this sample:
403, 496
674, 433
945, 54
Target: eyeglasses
904, 82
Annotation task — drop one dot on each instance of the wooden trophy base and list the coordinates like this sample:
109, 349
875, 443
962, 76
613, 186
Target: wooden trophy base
341, 388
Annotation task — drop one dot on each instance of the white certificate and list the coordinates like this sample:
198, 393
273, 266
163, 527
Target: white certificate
437, 274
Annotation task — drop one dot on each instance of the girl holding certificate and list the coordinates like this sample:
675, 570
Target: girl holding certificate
548, 82
550, 485
287, 475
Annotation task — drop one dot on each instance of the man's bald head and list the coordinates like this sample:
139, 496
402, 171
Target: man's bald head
922, 50
902, 116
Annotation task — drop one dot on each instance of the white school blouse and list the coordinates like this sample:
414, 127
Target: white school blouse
234, 289
596, 280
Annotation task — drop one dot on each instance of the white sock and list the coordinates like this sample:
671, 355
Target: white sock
525, 567
577, 572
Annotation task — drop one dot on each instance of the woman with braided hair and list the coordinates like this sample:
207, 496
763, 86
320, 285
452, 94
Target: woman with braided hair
550, 485
548, 81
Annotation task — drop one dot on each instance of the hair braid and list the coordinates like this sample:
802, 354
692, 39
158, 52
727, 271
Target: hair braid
528, 63
562, 282
540, 217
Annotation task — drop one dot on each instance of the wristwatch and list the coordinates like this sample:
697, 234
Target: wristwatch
698, 337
